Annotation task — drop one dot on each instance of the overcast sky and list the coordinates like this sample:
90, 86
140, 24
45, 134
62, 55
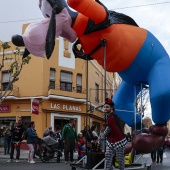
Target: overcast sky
150, 14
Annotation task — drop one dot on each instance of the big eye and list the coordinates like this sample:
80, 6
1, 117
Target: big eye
47, 16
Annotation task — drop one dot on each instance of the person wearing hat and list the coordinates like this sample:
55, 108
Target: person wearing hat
115, 138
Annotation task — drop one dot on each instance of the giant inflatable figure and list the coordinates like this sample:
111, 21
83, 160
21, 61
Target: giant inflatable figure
133, 52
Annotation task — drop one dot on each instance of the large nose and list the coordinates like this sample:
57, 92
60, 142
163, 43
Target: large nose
17, 40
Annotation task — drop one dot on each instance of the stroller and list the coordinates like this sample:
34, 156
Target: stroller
48, 149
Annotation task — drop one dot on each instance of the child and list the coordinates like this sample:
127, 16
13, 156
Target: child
80, 142
95, 145
80, 138
82, 150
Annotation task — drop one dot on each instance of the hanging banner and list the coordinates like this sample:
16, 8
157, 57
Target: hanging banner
35, 106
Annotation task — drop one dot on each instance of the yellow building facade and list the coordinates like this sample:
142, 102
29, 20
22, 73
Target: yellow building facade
62, 86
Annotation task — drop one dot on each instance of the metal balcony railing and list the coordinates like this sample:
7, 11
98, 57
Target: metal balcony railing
68, 89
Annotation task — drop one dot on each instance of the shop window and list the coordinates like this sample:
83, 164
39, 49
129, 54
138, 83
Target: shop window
79, 83
52, 78
66, 80
96, 93
6, 78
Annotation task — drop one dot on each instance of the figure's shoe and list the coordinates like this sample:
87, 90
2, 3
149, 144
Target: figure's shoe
17, 161
146, 143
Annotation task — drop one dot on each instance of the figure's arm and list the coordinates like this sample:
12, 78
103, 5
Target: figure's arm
89, 8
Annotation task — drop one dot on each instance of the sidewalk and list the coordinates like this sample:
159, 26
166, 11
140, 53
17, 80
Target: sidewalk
24, 154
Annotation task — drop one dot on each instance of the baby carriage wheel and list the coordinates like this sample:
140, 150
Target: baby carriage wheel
58, 159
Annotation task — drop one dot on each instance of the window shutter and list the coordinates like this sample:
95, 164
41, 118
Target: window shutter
52, 75
79, 80
66, 77
6, 77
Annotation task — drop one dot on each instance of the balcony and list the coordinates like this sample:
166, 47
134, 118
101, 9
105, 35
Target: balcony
71, 92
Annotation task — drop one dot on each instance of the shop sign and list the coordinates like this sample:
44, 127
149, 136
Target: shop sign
65, 107
35, 106
4, 108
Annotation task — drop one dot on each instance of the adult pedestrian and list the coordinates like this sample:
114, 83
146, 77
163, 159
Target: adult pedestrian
7, 140
49, 132
94, 131
88, 136
69, 136
16, 138
116, 140
31, 141
159, 153
21, 128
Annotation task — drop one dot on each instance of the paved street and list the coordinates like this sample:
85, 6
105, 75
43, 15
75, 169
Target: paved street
52, 165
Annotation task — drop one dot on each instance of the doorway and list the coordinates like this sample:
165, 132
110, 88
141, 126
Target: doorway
62, 119
60, 122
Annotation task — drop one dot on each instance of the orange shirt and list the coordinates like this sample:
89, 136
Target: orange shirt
123, 43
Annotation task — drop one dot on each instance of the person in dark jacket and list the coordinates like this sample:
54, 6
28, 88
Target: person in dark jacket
31, 141
16, 138
116, 140
69, 135
160, 152
87, 134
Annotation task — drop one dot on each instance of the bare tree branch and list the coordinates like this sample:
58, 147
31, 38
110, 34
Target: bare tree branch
14, 69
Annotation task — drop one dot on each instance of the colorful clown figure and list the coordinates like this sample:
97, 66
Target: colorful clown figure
133, 52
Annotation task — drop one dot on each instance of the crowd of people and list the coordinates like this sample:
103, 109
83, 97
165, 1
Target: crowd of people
110, 140
69, 141
17, 133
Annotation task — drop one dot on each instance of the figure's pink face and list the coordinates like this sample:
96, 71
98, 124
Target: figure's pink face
45, 8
